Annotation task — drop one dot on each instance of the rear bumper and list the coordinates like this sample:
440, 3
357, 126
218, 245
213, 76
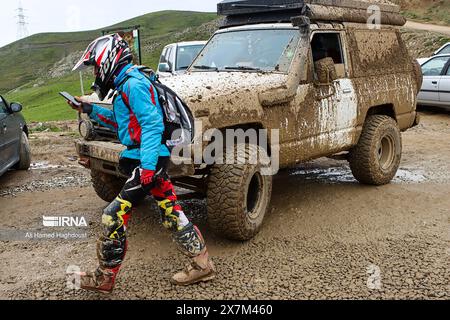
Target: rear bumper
105, 156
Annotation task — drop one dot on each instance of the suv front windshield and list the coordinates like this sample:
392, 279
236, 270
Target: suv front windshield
254, 50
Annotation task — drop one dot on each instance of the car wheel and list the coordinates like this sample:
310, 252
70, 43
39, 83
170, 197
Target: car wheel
238, 198
376, 158
24, 153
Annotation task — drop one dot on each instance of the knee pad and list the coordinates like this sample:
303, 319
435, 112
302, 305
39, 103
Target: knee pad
190, 241
115, 218
173, 217
111, 253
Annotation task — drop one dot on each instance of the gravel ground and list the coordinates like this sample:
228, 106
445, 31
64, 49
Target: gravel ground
326, 236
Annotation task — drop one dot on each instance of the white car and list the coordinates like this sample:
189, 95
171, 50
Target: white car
177, 57
445, 49
436, 82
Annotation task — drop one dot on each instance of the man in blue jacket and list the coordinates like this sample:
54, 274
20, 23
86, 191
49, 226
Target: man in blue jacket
138, 119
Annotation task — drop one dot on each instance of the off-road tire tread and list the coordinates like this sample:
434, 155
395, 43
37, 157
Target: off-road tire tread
364, 169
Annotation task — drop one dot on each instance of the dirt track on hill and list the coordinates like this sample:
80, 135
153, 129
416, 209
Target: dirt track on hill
428, 27
325, 237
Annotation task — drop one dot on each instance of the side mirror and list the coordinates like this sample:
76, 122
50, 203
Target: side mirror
326, 71
304, 24
15, 107
164, 67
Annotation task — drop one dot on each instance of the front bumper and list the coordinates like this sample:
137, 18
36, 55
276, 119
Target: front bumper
105, 156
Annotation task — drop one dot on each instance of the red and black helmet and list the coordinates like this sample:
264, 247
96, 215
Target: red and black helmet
107, 53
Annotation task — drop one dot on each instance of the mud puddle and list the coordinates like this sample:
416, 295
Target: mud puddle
343, 174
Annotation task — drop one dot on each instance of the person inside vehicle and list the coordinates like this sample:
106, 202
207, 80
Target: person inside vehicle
138, 120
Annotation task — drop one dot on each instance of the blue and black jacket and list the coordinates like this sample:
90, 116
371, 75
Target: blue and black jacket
140, 126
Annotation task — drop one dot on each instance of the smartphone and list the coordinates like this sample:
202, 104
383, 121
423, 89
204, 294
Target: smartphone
70, 98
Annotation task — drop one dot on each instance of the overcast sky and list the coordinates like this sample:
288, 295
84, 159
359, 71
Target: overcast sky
76, 15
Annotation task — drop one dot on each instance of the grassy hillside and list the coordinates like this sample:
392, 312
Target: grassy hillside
43, 103
431, 11
44, 50
30, 83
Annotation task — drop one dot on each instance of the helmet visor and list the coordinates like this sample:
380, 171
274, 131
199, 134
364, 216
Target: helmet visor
86, 59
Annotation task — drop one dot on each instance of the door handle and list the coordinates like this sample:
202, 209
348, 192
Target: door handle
434, 82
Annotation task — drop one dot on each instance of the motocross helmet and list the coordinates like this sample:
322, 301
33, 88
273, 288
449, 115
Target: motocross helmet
108, 54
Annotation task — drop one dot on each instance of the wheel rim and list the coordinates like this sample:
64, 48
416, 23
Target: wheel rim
386, 152
254, 195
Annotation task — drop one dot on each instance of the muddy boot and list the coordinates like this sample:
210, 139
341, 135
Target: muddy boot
201, 269
102, 280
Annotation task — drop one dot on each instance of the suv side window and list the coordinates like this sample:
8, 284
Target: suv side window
329, 45
435, 66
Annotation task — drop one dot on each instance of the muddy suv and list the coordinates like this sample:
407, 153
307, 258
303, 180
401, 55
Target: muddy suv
326, 80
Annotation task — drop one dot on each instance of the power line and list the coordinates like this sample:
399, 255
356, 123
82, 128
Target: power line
22, 30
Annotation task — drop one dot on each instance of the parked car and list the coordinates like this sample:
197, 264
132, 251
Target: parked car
177, 57
14, 147
435, 89
445, 49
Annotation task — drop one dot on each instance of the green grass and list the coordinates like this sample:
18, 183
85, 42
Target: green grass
43, 103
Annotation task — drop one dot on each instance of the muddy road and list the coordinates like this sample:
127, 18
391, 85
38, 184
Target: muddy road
325, 237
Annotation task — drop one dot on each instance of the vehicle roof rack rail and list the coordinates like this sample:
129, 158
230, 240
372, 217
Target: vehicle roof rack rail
242, 12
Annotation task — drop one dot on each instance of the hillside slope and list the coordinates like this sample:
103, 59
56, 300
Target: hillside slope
47, 49
431, 11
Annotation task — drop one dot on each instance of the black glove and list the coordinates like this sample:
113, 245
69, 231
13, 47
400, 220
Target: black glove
87, 107
84, 108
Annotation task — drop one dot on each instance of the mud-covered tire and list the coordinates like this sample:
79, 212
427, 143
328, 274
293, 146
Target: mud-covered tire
106, 186
376, 158
238, 198
24, 153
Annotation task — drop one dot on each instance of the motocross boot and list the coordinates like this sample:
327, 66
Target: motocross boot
201, 269
101, 280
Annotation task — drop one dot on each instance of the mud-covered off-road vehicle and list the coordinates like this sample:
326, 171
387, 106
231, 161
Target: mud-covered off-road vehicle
326, 79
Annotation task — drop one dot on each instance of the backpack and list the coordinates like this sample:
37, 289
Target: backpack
179, 123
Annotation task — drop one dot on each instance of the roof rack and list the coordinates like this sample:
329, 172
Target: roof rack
242, 12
